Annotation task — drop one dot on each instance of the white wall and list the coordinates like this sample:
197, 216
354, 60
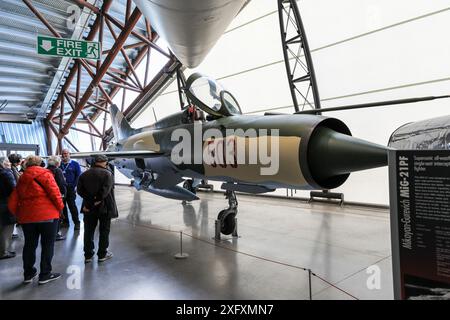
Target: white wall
413, 52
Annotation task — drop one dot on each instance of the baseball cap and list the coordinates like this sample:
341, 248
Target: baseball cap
100, 158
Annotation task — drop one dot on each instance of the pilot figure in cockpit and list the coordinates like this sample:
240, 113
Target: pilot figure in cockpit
195, 114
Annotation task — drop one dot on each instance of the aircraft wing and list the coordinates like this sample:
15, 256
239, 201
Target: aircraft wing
117, 154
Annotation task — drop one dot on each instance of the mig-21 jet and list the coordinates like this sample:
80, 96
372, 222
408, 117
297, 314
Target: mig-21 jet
212, 140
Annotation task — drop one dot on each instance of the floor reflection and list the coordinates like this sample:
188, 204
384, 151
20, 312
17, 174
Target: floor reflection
197, 220
144, 267
134, 215
189, 215
193, 215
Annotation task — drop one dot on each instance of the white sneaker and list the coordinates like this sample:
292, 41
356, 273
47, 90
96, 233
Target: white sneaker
108, 255
51, 277
30, 279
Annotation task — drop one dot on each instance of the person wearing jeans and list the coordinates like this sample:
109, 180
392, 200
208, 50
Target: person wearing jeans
46, 230
96, 187
90, 224
37, 203
15, 161
53, 163
7, 220
71, 170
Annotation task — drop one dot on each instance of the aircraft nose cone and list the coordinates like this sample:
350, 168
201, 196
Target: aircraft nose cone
332, 156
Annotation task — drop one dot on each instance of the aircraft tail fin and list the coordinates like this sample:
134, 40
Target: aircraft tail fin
120, 125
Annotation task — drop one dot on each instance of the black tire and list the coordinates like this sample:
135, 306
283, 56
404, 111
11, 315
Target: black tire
228, 223
188, 186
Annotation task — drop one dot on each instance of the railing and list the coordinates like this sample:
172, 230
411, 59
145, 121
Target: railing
181, 254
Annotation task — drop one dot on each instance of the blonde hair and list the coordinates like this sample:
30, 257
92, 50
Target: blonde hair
54, 161
32, 160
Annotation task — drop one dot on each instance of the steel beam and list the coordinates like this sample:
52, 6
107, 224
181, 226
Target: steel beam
48, 138
106, 5
124, 95
93, 76
124, 54
115, 90
134, 18
77, 94
158, 83
72, 105
289, 16
150, 37
70, 142
42, 18
61, 114
168, 71
375, 104
128, 10
100, 39
137, 35
121, 85
87, 5
103, 135
129, 46
86, 132
110, 73
89, 103
52, 127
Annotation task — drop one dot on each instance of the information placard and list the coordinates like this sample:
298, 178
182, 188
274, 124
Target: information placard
420, 223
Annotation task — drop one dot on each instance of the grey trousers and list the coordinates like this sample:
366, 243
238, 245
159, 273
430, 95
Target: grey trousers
5, 238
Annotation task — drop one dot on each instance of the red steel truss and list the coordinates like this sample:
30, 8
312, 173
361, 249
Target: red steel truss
79, 100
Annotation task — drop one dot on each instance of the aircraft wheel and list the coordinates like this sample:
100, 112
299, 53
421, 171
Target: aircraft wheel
188, 186
228, 223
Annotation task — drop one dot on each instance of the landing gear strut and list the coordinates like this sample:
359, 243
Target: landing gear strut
226, 222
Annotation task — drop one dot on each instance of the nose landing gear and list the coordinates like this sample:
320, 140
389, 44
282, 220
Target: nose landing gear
226, 222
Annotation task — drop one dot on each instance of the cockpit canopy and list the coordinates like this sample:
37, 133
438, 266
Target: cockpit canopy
211, 97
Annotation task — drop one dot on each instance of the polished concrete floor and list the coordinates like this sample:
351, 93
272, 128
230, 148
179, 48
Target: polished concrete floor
278, 237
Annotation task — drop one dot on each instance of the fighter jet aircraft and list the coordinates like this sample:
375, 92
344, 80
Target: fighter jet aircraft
212, 140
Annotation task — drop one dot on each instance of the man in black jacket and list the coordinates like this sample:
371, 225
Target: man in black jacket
7, 220
95, 186
16, 160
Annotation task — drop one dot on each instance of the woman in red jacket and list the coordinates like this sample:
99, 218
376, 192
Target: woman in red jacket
37, 203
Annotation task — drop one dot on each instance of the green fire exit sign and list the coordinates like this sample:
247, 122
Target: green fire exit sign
61, 47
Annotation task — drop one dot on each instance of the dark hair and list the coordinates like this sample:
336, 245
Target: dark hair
14, 158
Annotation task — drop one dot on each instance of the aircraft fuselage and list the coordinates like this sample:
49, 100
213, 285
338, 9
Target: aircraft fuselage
271, 151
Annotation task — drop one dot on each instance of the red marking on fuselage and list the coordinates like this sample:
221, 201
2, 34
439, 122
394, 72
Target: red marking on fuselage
221, 147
